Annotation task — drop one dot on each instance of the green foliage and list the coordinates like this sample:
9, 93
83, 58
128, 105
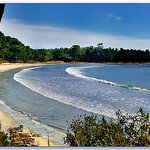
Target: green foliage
127, 130
12, 50
3, 139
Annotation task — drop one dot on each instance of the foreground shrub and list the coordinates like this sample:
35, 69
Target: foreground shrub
127, 130
4, 139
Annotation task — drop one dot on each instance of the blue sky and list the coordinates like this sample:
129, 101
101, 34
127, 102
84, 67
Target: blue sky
62, 25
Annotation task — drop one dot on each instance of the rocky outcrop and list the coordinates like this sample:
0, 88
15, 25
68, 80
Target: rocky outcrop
19, 138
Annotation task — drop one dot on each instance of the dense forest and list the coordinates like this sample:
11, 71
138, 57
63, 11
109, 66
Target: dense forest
12, 50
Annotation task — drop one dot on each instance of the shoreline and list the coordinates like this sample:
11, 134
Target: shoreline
7, 120
9, 66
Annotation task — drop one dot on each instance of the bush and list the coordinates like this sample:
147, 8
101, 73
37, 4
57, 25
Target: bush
19, 61
4, 139
127, 130
3, 61
32, 61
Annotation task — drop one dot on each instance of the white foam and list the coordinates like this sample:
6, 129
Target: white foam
77, 72
40, 88
47, 89
2, 102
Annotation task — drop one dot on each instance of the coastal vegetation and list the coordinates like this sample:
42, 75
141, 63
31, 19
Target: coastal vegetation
127, 130
12, 50
4, 139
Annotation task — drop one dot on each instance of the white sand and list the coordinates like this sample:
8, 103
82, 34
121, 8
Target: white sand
6, 121
40, 141
8, 66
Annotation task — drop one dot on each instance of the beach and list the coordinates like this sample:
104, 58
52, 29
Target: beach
9, 66
6, 120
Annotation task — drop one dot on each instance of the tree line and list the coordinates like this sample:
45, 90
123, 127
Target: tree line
12, 50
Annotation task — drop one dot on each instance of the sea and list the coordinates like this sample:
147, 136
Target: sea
44, 98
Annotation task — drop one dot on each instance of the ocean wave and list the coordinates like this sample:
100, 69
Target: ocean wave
37, 85
77, 72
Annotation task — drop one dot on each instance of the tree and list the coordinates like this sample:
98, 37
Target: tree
75, 52
100, 45
4, 139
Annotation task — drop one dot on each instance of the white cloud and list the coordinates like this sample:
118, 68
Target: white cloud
52, 37
114, 17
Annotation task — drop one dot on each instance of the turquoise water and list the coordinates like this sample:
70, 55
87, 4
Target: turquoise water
43, 98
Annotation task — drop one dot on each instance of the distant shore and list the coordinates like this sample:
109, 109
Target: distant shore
9, 66
7, 120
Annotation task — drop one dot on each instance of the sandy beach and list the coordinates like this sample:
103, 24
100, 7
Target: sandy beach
8, 66
6, 120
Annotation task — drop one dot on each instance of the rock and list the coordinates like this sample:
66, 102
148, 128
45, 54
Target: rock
18, 138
